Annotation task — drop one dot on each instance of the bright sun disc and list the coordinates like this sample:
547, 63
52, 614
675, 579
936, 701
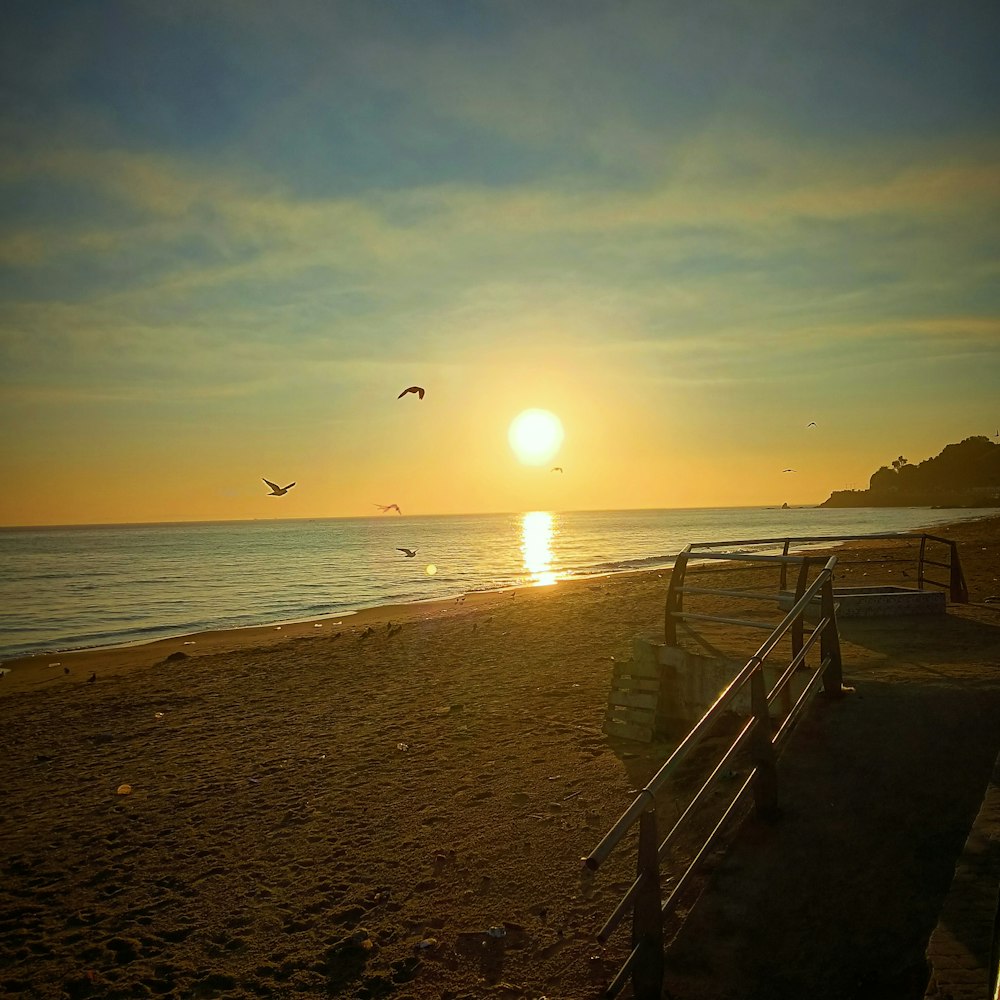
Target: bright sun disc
535, 436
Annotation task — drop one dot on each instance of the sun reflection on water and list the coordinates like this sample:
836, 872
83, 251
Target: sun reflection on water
536, 547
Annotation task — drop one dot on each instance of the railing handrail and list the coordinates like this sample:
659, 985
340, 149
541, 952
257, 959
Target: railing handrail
956, 585
645, 961
697, 734
875, 536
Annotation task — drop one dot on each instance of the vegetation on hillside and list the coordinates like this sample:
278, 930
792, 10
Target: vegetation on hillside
966, 474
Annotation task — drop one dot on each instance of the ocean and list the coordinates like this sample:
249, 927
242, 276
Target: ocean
65, 588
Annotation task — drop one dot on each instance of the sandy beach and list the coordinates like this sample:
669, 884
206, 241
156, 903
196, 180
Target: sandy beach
344, 810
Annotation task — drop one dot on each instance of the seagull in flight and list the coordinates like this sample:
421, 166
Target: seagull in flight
409, 553
812, 423
788, 470
557, 468
386, 507
413, 388
276, 490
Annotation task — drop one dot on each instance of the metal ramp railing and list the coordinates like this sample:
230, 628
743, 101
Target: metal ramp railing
643, 898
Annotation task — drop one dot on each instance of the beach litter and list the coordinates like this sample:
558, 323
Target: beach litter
157, 715
124, 790
402, 746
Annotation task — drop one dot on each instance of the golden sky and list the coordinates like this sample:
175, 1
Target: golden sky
233, 233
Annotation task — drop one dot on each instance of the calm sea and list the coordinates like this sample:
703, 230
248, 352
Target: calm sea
76, 587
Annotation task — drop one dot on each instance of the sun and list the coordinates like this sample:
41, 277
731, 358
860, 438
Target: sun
535, 436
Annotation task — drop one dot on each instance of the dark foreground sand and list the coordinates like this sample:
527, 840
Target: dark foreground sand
321, 812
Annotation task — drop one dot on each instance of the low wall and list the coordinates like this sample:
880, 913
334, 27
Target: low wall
690, 683
875, 602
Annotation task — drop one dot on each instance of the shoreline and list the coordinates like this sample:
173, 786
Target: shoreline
47, 669
18, 659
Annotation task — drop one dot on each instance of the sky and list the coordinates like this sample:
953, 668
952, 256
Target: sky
233, 232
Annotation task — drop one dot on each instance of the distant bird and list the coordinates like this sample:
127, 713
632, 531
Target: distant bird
413, 388
92, 678
557, 468
276, 490
65, 670
409, 553
812, 423
386, 507
788, 470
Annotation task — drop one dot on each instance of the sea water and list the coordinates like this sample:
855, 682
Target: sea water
78, 587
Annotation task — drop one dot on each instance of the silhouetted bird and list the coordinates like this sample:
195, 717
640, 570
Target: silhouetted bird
413, 388
386, 507
92, 678
557, 468
409, 553
787, 470
276, 490
812, 423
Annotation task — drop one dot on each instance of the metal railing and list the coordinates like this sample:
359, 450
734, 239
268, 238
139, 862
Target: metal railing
649, 911
956, 585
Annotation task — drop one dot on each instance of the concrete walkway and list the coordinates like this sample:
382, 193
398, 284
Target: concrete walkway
838, 899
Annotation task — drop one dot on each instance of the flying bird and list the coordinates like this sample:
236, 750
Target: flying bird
409, 553
812, 423
276, 490
413, 388
386, 507
788, 470
557, 468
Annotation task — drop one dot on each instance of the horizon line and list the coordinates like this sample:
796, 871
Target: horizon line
377, 517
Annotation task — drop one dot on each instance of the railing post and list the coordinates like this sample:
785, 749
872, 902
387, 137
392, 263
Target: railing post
959, 591
920, 562
647, 915
765, 785
829, 644
675, 599
800, 589
783, 581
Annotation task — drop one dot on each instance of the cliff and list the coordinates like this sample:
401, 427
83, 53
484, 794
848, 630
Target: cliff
966, 474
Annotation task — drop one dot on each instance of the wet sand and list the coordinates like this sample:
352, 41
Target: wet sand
336, 811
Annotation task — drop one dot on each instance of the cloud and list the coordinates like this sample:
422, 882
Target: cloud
749, 242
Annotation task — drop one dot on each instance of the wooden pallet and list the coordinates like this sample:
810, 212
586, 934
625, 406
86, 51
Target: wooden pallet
634, 698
